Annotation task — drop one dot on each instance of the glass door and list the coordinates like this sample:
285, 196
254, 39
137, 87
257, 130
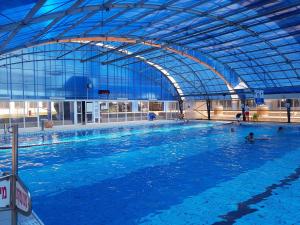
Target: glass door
89, 112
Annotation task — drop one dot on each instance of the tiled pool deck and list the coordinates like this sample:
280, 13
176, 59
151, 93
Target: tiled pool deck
93, 126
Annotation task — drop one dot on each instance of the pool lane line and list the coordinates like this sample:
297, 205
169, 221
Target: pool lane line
35, 145
244, 207
54, 143
68, 142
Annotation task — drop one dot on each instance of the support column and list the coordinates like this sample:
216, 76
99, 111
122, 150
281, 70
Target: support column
288, 109
75, 112
180, 104
208, 104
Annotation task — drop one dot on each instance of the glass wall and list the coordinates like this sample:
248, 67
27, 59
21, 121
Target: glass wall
156, 106
104, 112
113, 111
31, 113
4, 113
68, 108
158, 109
17, 113
57, 113
79, 112
273, 110
39, 73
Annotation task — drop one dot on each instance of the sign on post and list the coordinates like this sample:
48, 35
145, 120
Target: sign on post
259, 97
4, 192
23, 199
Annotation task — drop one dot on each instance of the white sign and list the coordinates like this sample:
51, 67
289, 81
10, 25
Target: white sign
89, 107
4, 193
23, 200
259, 94
259, 97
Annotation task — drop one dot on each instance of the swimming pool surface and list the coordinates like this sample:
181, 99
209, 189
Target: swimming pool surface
195, 173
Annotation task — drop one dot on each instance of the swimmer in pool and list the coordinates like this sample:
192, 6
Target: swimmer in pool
280, 129
251, 138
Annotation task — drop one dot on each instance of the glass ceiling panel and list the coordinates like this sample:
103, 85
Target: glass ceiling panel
250, 40
54, 6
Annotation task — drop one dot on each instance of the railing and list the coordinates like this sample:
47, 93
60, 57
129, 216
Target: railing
270, 116
134, 116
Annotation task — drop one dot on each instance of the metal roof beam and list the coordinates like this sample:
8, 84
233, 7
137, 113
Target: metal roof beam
252, 51
218, 27
131, 55
236, 28
230, 47
148, 25
194, 73
267, 64
188, 28
58, 18
213, 94
155, 57
234, 39
143, 15
102, 23
24, 22
73, 50
117, 49
80, 21
50, 16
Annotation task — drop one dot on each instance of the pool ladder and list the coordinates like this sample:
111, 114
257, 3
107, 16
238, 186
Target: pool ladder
7, 129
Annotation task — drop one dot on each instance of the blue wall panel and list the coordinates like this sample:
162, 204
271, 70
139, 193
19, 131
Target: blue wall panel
36, 73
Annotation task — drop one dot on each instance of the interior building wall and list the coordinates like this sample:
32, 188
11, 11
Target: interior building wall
41, 73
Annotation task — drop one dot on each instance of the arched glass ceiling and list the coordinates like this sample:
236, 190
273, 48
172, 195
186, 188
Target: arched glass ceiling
255, 42
189, 77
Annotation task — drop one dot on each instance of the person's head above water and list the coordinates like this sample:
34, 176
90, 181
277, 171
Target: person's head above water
250, 136
280, 129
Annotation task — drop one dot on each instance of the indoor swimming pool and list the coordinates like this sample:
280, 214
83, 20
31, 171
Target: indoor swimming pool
164, 174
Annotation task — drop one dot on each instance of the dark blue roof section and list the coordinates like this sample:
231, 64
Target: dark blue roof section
208, 47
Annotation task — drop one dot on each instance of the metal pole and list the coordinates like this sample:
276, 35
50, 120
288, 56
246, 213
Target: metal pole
288, 109
208, 109
14, 216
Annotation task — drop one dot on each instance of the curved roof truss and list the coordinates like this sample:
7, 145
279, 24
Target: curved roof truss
253, 43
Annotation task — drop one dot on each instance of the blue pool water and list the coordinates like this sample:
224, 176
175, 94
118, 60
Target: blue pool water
195, 173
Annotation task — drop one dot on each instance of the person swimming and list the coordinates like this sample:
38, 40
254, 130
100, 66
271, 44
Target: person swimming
250, 137
280, 129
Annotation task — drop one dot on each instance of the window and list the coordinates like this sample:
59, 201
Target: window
156, 106
113, 107
143, 106
172, 106
4, 105
103, 107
